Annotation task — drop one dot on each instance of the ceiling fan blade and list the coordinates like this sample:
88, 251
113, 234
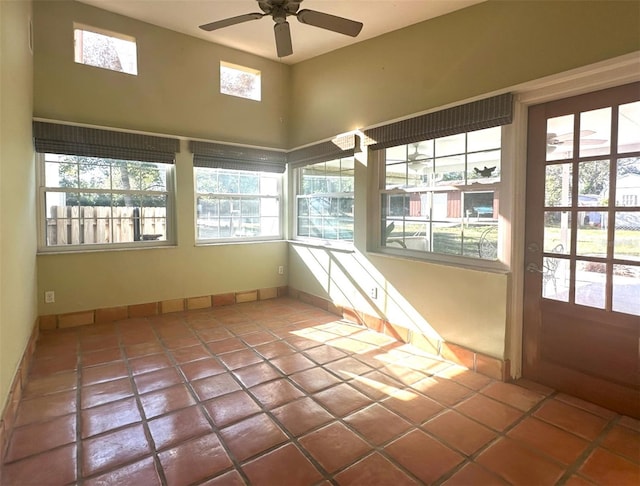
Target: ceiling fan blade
219, 24
283, 39
330, 22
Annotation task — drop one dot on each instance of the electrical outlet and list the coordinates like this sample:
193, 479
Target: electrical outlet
373, 293
49, 297
280, 270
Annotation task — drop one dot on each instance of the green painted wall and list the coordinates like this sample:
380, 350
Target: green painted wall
18, 309
176, 90
470, 52
175, 93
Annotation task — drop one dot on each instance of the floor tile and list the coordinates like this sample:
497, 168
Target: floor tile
489, 412
314, 379
603, 467
202, 368
324, 354
226, 345
377, 424
341, 399
551, 440
46, 385
189, 353
376, 385
302, 415
101, 356
267, 470
239, 359
215, 386
231, 478
255, 374
623, 441
347, 406
111, 391
275, 393
194, 460
446, 392
104, 373
459, 432
348, 368
514, 395
149, 363
166, 400
108, 451
572, 419
46, 407
252, 436
177, 427
472, 474
41, 436
423, 456
144, 348
292, 363
49, 366
374, 470
518, 464
109, 416
413, 407
256, 338
274, 349
334, 446
57, 463
157, 380
143, 472
231, 408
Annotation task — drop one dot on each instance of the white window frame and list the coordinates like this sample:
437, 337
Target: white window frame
503, 251
240, 196
170, 219
297, 195
238, 70
78, 57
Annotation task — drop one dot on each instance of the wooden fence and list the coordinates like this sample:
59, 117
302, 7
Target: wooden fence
78, 225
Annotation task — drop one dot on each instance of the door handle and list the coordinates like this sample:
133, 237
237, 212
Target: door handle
533, 268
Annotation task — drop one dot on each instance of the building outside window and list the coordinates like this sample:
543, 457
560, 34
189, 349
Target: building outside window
324, 200
441, 196
237, 204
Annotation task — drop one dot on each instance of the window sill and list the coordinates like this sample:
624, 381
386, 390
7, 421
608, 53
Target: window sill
491, 266
325, 244
103, 249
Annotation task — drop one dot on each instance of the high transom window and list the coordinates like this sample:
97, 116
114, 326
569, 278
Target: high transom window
240, 81
104, 49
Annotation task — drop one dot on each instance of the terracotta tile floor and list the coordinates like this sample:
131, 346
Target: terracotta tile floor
281, 393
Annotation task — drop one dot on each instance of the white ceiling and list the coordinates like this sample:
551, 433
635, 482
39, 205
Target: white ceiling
256, 37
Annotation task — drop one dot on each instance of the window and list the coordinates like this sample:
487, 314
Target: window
240, 81
442, 195
96, 201
237, 204
324, 200
104, 49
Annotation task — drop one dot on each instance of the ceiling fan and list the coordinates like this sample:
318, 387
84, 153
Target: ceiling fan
555, 141
279, 10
